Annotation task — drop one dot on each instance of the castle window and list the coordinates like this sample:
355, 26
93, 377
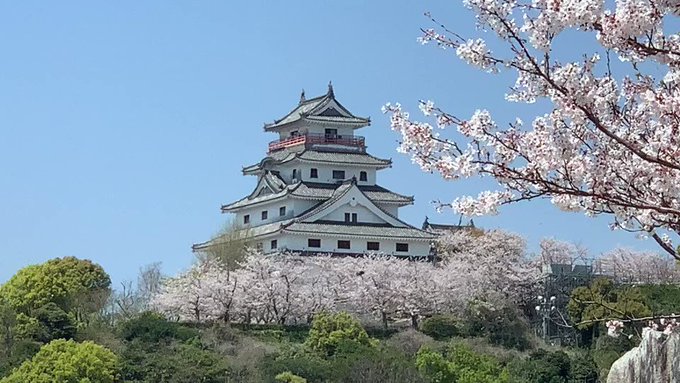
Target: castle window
313, 242
282, 211
343, 244
402, 247
347, 217
265, 214
374, 246
294, 173
246, 219
313, 173
363, 176
354, 217
274, 244
339, 174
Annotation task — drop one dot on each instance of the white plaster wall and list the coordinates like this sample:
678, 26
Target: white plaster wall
325, 173
342, 131
358, 245
300, 205
363, 214
273, 215
390, 208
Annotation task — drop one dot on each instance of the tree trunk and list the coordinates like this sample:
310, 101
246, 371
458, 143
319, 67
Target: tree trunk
384, 320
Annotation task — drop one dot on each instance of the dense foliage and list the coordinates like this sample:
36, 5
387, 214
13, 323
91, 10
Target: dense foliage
74, 285
68, 362
480, 336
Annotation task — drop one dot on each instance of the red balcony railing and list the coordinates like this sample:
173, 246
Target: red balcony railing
316, 139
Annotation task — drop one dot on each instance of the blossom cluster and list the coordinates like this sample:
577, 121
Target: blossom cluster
665, 325
291, 289
610, 144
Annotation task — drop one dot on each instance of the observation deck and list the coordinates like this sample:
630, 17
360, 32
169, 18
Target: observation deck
311, 139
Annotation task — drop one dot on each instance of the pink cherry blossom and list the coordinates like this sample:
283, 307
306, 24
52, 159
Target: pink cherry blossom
609, 144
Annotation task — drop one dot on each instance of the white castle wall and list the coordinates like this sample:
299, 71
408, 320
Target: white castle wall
329, 244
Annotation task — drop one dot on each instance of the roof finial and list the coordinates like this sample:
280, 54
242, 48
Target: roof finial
330, 88
302, 96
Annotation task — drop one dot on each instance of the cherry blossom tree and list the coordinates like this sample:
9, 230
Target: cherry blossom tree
493, 266
609, 144
561, 252
638, 267
286, 289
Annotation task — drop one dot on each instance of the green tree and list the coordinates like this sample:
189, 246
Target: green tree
228, 246
460, 364
661, 299
604, 300
47, 323
76, 286
329, 331
66, 361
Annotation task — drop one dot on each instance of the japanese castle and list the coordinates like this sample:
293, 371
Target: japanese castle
317, 190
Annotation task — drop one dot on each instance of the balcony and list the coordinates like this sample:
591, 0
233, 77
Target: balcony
311, 139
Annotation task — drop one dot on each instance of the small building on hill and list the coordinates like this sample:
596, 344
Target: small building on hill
317, 190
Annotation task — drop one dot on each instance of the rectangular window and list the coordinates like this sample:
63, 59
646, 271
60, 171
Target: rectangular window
282, 211
363, 176
347, 217
246, 219
354, 217
265, 214
339, 174
313, 173
403, 247
331, 133
343, 245
375, 246
274, 244
313, 242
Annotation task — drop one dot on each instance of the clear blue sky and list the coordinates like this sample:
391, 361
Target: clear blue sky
124, 125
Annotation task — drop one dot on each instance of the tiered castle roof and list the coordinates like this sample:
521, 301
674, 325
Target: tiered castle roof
318, 136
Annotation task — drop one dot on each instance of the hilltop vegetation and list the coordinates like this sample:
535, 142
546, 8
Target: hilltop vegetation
373, 319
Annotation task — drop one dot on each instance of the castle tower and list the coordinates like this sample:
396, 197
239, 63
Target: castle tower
317, 190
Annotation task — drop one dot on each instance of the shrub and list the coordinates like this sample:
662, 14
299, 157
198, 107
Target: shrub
330, 330
408, 341
172, 363
66, 361
310, 365
440, 327
375, 364
583, 368
152, 327
542, 366
459, 364
501, 326
289, 377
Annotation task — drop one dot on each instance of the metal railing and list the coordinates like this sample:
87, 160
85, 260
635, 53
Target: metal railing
317, 139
